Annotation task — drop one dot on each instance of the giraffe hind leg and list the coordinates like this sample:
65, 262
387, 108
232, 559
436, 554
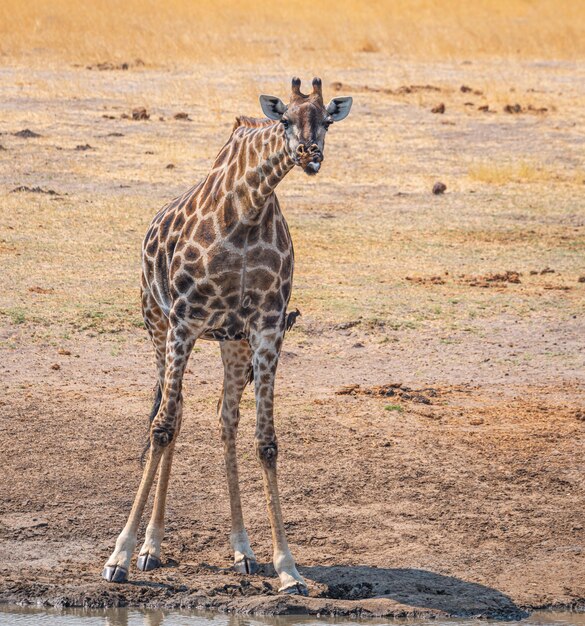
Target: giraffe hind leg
236, 357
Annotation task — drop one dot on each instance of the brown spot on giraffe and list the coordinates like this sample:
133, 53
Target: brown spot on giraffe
217, 264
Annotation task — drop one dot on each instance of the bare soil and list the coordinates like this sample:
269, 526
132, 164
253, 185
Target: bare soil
430, 400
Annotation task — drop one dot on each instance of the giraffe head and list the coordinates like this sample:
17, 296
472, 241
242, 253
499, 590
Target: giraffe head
305, 121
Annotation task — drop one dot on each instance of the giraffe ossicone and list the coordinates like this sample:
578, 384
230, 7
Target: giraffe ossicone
217, 264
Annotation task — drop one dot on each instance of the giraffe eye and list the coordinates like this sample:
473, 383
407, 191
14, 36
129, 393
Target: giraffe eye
327, 124
285, 123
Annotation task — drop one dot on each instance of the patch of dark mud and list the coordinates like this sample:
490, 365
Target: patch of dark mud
27, 189
487, 280
427, 280
516, 108
392, 390
399, 91
27, 134
108, 66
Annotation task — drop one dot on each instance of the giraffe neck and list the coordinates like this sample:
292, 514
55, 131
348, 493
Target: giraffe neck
249, 167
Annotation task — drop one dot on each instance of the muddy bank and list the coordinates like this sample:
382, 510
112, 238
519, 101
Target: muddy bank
407, 594
467, 504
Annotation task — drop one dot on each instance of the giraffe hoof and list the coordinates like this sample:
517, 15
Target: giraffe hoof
298, 589
246, 566
115, 574
148, 562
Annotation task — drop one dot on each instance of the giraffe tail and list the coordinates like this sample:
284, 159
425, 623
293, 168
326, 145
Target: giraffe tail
153, 412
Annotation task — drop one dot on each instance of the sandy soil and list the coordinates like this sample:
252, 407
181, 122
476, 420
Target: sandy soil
430, 406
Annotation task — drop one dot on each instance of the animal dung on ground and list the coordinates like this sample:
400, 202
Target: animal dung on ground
440, 108
140, 113
439, 188
513, 108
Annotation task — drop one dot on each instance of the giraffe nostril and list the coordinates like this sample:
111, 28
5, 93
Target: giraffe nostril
313, 148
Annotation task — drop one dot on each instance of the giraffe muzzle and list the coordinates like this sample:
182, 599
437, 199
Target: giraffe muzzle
309, 158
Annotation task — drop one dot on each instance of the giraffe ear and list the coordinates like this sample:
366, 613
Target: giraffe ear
339, 108
272, 107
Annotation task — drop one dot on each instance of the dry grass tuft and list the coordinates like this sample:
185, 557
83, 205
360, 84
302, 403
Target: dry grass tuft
329, 33
501, 174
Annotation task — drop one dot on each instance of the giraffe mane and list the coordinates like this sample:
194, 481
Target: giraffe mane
251, 122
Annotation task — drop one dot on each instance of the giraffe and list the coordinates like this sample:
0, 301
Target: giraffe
217, 264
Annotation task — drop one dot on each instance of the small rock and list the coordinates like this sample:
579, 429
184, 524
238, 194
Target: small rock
465, 89
182, 116
55, 366
439, 188
64, 352
476, 421
359, 344
440, 108
581, 279
484, 108
170, 166
83, 147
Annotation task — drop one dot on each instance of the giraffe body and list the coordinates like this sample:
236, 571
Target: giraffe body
217, 264
229, 263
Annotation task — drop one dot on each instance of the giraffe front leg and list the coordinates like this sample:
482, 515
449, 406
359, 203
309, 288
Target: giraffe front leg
164, 429
118, 565
265, 361
149, 556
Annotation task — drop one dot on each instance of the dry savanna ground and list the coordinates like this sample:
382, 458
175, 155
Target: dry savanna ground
430, 400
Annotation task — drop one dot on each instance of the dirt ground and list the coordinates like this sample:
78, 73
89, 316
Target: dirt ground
430, 401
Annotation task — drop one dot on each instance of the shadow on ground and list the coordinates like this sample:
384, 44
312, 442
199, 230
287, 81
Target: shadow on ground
416, 588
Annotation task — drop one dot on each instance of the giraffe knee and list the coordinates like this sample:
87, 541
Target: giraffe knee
267, 453
161, 436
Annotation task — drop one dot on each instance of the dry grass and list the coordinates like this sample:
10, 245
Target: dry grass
303, 34
501, 174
